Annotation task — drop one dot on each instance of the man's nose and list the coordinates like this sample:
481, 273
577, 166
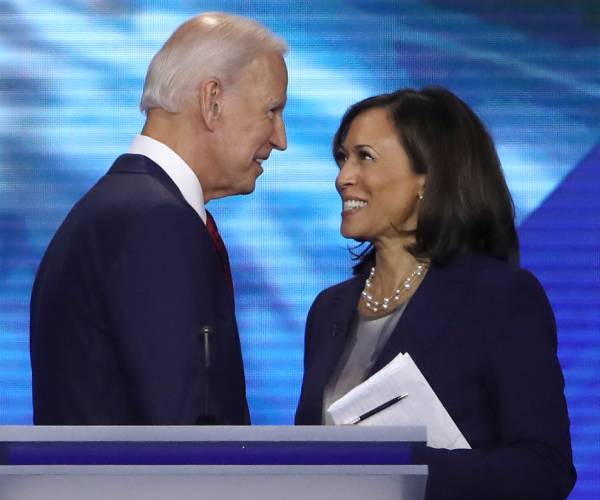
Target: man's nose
279, 139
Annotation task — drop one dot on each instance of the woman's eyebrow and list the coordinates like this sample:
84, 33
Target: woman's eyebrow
356, 147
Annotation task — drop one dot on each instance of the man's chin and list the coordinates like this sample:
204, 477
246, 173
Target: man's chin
248, 188
245, 185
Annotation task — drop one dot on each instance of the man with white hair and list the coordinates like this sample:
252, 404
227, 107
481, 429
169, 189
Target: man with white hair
132, 311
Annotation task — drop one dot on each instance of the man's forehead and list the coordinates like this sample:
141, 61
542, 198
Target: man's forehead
266, 75
266, 66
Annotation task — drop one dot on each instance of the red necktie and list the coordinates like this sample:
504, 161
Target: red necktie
219, 247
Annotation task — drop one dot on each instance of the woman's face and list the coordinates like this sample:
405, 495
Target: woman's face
378, 187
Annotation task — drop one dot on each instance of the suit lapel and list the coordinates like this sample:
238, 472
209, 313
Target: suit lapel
427, 315
140, 164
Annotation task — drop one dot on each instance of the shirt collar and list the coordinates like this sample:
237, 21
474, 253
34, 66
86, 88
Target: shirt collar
175, 167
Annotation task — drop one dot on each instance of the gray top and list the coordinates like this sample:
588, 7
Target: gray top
363, 346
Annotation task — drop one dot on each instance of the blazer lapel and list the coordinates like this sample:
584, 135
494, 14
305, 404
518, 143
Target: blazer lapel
427, 315
339, 322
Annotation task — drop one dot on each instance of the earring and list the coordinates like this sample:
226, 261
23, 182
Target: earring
420, 195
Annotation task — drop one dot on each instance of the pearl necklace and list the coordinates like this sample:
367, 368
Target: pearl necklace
372, 305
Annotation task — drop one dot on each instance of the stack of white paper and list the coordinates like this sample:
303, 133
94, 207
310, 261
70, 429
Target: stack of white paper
420, 407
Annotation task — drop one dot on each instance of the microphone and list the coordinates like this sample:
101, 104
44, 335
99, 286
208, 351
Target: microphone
206, 419
206, 332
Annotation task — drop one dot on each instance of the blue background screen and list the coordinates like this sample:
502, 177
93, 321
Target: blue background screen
71, 74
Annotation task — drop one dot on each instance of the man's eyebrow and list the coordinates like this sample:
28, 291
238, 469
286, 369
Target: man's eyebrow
278, 105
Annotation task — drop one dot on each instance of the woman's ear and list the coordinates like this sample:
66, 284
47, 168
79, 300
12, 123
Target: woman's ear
210, 97
421, 182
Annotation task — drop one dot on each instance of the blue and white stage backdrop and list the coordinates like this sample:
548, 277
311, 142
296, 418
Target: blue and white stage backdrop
71, 74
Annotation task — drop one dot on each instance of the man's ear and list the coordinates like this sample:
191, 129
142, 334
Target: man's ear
211, 101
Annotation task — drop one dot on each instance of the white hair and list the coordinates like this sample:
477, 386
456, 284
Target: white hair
213, 44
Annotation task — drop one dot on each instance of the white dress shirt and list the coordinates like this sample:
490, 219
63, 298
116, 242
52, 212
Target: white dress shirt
178, 170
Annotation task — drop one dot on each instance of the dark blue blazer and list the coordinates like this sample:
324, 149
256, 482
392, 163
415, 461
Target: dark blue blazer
483, 334
118, 304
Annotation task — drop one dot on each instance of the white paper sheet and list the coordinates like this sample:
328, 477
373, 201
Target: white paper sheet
420, 407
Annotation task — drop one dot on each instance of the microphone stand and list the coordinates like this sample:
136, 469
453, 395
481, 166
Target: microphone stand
206, 418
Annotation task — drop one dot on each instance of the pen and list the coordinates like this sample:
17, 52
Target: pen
377, 409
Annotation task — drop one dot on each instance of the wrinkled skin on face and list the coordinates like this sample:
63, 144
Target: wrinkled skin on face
251, 123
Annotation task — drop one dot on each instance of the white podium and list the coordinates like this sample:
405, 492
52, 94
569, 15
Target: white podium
216, 463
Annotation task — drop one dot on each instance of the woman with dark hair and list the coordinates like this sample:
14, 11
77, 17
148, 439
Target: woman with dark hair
421, 183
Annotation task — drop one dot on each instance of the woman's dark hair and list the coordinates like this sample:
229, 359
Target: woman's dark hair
466, 206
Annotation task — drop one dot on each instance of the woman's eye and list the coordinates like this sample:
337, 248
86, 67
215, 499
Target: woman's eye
364, 155
340, 158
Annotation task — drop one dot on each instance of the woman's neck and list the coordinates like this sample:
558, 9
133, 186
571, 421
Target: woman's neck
393, 264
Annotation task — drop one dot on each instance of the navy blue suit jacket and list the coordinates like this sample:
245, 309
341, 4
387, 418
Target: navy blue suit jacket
483, 334
119, 301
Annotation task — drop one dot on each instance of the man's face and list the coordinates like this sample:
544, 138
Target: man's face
252, 123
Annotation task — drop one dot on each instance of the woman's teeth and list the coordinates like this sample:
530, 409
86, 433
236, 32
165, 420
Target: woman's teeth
354, 204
